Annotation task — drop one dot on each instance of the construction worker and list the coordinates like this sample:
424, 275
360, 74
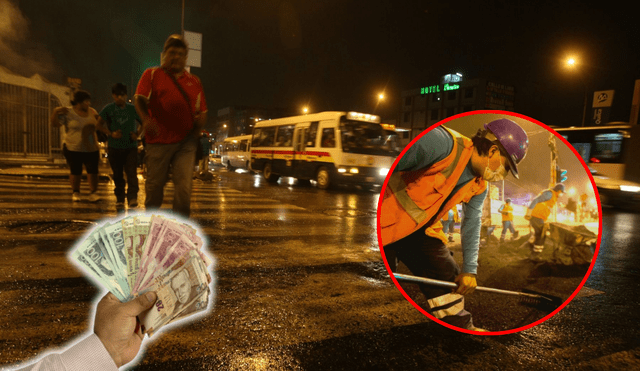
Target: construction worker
537, 213
507, 220
487, 227
441, 169
448, 222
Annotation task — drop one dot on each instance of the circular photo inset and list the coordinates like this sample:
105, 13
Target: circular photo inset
489, 222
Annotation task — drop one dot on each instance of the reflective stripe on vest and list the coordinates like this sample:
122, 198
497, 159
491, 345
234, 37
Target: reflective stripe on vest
413, 199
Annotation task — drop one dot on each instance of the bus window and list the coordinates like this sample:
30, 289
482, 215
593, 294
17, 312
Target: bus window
311, 135
328, 138
243, 145
264, 137
285, 136
584, 149
608, 147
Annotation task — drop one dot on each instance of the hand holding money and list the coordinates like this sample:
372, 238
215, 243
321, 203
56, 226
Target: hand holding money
141, 254
117, 326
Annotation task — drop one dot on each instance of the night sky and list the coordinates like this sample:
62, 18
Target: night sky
337, 54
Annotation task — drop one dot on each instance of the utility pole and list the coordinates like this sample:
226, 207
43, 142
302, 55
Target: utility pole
554, 162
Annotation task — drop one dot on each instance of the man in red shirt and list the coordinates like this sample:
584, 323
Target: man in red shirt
170, 101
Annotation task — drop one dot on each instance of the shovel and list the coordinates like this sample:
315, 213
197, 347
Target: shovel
545, 302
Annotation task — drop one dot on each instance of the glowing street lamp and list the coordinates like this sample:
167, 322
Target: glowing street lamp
380, 99
305, 110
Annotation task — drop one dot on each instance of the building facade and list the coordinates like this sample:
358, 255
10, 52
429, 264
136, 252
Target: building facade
423, 107
25, 108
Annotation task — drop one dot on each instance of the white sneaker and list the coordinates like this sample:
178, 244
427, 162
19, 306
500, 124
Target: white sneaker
93, 197
76, 197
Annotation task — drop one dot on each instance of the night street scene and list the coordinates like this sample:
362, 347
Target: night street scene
308, 185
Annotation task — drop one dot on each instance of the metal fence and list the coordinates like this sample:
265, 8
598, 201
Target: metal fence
24, 123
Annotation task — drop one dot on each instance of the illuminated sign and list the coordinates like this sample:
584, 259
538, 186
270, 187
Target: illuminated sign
447, 84
452, 77
438, 88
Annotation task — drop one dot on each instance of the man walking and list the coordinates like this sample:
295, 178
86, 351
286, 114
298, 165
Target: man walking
507, 220
537, 213
119, 121
171, 103
440, 170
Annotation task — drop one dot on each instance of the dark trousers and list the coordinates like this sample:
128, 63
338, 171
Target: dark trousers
428, 257
124, 161
537, 224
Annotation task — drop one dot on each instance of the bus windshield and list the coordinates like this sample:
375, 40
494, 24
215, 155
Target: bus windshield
368, 139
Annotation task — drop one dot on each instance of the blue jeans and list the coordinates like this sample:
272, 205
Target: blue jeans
507, 224
180, 157
448, 226
124, 160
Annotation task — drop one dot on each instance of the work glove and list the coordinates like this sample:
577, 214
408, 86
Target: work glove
466, 283
527, 215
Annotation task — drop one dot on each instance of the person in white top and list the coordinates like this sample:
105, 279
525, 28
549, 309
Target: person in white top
80, 142
115, 342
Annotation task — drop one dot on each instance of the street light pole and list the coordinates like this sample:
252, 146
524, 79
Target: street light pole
380, 98
584, 109
182, 22
571, 63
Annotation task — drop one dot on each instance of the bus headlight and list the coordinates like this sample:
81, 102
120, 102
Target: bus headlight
352, 170
627, 188
384, 172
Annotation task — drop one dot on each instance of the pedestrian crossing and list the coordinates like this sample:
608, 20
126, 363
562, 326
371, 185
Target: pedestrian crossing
271, 258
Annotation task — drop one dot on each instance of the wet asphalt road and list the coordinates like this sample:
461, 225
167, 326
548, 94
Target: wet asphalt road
300, 285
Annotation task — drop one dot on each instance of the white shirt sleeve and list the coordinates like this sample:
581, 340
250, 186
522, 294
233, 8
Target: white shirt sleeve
87, 354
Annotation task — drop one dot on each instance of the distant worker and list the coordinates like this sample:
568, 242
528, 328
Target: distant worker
537, 213
448, 222
507, 220
486, 226
440, 170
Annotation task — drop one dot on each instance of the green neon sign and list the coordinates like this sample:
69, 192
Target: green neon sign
438, 88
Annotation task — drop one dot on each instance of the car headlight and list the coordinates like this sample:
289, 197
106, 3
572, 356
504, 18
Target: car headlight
384, 172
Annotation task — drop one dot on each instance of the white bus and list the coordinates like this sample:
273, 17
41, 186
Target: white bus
328, 147
236, 152
603, 147
610, 152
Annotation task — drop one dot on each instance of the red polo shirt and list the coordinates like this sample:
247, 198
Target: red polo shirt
168, 106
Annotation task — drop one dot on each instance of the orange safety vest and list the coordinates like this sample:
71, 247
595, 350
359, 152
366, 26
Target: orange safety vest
507, 212
543, 209
413, 199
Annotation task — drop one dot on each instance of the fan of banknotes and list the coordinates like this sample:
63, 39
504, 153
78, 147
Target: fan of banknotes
150, 253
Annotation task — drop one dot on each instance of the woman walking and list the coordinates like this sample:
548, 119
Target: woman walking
80, 142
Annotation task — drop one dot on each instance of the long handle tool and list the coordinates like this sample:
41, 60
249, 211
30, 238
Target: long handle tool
545, 302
